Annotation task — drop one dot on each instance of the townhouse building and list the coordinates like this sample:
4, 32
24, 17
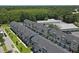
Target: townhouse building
69, 42
38, 43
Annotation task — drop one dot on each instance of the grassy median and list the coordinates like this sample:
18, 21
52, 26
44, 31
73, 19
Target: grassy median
21, 47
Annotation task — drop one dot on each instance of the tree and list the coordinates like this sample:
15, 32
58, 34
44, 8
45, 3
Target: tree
46, 18
33, 18
69, 18
21, 49
1, 40
55, 16
22, 17
16, 42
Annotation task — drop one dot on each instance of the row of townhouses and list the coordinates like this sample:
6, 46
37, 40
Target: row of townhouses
38, 43
66, 41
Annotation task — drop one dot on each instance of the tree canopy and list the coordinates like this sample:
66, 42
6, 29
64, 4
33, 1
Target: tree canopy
34, 13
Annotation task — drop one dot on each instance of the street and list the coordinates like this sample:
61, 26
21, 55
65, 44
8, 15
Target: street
9, 43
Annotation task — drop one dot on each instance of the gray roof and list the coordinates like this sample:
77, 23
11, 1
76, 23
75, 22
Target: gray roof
58, 32
69, 37
71, 30
50, 46
42, 42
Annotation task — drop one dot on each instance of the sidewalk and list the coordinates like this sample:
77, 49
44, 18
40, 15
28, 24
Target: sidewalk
19, 41
1, 50
9, 43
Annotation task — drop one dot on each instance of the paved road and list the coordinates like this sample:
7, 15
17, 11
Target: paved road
1, 50
9, 43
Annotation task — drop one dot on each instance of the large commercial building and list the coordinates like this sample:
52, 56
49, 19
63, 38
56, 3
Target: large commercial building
65, 27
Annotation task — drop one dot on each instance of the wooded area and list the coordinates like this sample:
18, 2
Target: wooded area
19, 13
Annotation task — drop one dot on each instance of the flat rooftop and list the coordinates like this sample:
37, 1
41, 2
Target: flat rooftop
59, 23
75, 34
49, 21
63, 25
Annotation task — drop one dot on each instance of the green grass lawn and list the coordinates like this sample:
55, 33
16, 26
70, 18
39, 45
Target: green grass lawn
15, 39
